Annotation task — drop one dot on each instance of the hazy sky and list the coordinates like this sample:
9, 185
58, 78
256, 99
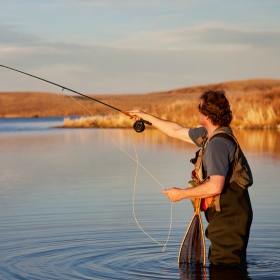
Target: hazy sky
137, 46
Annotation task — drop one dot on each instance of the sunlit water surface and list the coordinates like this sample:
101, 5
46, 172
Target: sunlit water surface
66, 203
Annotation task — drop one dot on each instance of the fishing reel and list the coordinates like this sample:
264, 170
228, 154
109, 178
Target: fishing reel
139, 126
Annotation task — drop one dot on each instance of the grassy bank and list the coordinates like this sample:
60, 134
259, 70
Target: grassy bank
250, 111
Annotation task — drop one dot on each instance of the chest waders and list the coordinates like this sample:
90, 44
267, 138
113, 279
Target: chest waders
230, 213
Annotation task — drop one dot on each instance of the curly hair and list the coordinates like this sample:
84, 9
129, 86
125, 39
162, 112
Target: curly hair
216, 106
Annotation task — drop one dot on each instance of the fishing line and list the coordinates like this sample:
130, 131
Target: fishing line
133, 207
138, 127
135, 180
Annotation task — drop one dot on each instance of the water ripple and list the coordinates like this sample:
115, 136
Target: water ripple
95, 256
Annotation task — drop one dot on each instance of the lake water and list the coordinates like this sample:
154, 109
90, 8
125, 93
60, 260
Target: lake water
66, 203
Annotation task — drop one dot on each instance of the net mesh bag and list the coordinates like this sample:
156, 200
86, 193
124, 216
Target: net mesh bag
192, 249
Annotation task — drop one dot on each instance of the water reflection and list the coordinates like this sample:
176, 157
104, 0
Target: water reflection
260, 141
197, 272
190, 272
218, 273
29, 152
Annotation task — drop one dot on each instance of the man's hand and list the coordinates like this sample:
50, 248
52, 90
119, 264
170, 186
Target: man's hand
137, 114
174, 194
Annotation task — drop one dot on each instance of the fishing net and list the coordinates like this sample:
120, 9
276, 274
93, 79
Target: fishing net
192, 249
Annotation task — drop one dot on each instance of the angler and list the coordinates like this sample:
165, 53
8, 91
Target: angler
220, 180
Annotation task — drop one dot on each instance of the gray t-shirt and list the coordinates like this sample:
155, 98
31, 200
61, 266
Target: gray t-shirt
218, 154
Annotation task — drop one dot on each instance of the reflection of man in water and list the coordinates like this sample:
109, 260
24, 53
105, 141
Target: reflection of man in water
230, 215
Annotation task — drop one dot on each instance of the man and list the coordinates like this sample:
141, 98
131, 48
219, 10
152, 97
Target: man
222, 189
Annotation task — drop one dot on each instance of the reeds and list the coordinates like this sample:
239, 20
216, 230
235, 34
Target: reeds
256, 110
260, 117
107, 121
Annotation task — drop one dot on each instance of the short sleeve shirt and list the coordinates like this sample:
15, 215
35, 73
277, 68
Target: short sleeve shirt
218, 154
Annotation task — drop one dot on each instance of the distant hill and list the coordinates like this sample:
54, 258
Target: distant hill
39, 104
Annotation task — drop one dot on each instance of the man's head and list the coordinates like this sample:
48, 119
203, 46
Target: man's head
215, 106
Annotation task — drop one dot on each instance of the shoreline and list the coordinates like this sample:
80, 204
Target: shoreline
96, 126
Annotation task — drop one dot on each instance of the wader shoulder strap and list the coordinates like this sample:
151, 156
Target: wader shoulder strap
224, 135
242, 173
216, 201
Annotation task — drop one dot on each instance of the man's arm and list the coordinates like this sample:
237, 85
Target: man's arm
212, 187
169, 128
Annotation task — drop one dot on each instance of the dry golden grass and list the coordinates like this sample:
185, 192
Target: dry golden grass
108, 121
255, 104
256, 110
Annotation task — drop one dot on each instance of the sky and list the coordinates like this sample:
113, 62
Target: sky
137, 46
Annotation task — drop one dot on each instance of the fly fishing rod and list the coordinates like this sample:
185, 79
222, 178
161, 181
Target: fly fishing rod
139, 126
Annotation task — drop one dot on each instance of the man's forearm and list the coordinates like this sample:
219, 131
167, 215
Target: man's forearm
169, 128
208, 189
